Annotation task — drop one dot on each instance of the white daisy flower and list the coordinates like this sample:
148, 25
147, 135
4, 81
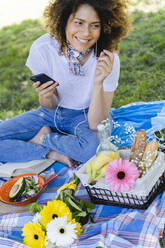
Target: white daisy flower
60, 232
49, 244
36, 218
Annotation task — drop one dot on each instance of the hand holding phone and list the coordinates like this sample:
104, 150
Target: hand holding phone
42, 77
45, 91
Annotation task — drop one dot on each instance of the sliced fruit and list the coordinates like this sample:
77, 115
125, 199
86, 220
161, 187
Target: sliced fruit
17, 189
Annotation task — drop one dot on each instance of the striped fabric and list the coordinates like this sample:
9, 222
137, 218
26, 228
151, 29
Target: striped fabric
114, 226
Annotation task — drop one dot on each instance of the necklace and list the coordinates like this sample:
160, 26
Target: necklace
75, 58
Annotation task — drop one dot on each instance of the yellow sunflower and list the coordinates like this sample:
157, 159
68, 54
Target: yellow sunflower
70, 185
33, 235
55, 209
78, 227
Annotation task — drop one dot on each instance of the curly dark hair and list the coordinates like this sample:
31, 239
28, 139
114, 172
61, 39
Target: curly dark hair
113, 14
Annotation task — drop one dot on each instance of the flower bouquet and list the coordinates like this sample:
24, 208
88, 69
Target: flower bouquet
59, 222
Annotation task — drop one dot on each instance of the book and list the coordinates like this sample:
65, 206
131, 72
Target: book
16, 169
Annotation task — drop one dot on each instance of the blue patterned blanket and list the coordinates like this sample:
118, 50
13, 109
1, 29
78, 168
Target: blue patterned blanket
114, 227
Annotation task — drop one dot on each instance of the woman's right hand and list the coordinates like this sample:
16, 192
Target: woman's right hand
46, 90
47, 93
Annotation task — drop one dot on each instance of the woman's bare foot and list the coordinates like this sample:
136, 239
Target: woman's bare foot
62, 159
38, 138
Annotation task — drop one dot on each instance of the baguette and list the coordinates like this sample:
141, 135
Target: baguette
149, 157
138, 147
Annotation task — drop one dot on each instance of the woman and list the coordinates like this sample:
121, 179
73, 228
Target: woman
79, 53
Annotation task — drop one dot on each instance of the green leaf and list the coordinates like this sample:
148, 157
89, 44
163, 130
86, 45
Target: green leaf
66, 201
75, 215
69, 193
89, 205
35, 207
73, 204
59, 197
77, 180
82, 214
89, 211
91, 219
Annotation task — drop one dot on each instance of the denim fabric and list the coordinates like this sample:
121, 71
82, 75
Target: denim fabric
70, 135
73, 136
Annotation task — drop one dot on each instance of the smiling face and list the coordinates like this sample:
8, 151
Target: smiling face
83, 28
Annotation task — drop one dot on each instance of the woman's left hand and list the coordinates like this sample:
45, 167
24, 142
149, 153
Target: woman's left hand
104, 65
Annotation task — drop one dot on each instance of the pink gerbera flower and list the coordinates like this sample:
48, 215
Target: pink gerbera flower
121, 175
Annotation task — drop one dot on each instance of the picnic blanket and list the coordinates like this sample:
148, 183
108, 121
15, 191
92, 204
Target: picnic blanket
114, 226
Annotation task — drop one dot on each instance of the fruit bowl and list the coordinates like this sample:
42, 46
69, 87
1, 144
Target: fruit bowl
7, 186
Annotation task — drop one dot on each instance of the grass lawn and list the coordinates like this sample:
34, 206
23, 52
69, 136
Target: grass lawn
142, 61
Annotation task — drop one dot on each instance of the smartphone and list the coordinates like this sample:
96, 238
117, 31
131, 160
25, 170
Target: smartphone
42, 77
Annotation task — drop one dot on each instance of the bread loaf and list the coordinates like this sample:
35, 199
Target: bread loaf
138, 146
149, 157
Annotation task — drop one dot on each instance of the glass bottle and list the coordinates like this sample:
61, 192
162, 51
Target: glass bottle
104, 136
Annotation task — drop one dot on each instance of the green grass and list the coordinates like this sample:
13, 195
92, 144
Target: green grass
16, 93
142, 75
142, 61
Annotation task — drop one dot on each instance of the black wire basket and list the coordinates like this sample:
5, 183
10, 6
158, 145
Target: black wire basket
144, 192
107, 197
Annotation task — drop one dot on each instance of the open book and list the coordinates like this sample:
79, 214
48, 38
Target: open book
16, 169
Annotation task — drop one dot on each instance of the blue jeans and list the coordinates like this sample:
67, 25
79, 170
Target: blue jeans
70, 136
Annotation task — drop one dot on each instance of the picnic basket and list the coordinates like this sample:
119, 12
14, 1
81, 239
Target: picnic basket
140, 196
